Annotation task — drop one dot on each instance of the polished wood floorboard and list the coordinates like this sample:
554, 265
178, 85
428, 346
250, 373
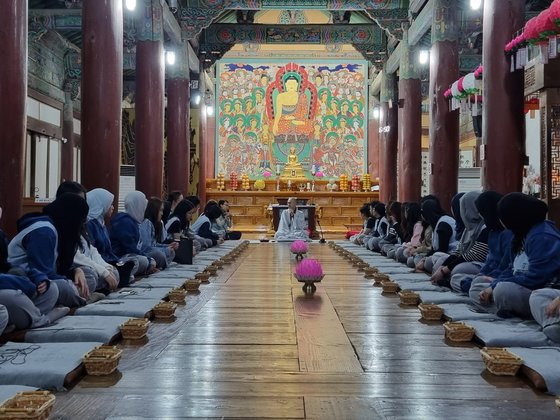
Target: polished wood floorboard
251, 345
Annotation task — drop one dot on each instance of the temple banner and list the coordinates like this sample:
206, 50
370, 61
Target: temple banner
267, 111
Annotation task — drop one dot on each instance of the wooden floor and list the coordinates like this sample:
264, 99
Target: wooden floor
251, 345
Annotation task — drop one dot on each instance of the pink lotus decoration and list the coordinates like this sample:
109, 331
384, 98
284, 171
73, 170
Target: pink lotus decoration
319, 174
299, 247
309, 270
267, 174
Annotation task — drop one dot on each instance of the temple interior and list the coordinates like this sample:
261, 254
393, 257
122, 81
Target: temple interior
280, 209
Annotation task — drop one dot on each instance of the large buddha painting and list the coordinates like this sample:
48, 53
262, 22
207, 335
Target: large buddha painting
266, 111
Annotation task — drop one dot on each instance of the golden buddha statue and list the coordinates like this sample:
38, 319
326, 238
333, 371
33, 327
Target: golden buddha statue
293, 169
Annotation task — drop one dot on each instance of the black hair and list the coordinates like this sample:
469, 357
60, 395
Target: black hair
70, 187
222, 202
212, 211
394, 209
365, 210
174, 195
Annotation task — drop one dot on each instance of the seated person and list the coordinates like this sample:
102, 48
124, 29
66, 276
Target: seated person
499, 244
545, 308
174, 198
125, 232
223, 224
381, 227
369, 225
413, 229
203, 225
28, 299
48, 242
101, 208
443, 234
152, 235
394, 234
534, 257
472, 250
292, 223
178, 225
28, 302
99, 274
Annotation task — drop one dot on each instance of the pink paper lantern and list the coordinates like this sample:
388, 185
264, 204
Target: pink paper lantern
267, 174
319, 174
309, 269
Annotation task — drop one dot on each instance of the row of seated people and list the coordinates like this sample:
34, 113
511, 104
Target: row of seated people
76, 251
501, 251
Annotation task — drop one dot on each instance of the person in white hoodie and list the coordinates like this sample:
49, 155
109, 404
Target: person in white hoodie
100, 275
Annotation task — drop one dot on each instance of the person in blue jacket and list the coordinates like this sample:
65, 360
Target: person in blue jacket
47, 243
534, 256
125, 232
26, 300
499, 244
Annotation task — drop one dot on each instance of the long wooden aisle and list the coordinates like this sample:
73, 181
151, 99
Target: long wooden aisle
252, 345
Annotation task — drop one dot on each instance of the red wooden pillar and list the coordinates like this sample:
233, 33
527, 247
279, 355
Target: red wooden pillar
150, 91
444, 124
503, 127
67, 150
202, 138
13, 94
410, 127
102, 59
388, 140
178, 133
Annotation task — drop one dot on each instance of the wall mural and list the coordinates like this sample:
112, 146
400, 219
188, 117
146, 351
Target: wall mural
265, 110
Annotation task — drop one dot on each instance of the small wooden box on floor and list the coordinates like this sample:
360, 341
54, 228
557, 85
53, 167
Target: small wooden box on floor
250, 208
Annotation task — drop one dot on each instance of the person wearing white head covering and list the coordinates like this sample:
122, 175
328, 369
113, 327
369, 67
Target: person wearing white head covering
471, 252
100, 202
135, 204
125, 232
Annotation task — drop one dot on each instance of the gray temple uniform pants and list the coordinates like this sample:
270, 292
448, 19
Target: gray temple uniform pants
539, 301
94, 280
28, 313
3, 318
508, 299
